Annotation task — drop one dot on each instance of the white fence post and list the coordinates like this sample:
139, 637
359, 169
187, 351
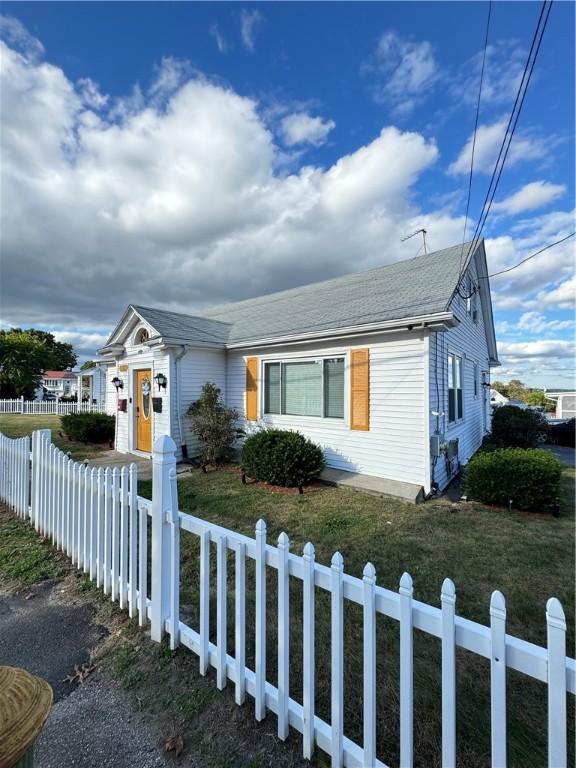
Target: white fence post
163, 460
498, 678
38, 436
448, 600
406, 673
22, 404
557, 739
283, 635
260, 672
308, 661
337, 674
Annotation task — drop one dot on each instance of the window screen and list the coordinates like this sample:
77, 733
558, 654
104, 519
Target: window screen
334, 388
302, 388
272, 388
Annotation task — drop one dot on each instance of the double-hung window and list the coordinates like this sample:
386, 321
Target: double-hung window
455, 398
305, 388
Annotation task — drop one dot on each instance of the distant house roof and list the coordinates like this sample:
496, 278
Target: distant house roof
413, 288
59, 375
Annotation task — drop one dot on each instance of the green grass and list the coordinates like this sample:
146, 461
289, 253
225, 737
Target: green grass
528, 556
24, 559
17, 425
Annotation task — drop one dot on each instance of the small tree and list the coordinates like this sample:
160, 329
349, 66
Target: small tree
214, 424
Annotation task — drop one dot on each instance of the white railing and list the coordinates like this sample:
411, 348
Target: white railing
97, 518
54, 407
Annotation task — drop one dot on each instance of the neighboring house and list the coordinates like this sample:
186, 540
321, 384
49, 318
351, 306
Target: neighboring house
60, 383
565, 403
497, 398
387, 370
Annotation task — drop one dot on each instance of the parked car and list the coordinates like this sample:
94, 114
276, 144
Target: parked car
562, 432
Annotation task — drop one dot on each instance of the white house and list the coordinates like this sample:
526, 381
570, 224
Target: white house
497, 398
565, 403
388, 370
60, 383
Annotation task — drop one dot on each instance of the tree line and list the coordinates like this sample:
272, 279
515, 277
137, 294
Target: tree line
517, 390
24, 354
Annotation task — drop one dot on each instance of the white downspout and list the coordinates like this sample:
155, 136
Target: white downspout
183, 446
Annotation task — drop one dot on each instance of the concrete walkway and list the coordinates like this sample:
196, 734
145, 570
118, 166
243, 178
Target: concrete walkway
117, 459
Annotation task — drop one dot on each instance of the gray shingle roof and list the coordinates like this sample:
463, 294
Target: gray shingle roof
418, 286
174, 325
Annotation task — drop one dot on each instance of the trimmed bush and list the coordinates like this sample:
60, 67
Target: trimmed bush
563, 434
281, 457
89, 427
530, 477
515, 427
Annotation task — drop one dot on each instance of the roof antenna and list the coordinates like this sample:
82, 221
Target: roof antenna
418, 231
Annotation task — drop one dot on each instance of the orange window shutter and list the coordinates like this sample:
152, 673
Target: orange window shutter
252, 388
360, 389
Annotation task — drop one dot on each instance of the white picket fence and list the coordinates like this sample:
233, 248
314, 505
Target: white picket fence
96, 517
55, 407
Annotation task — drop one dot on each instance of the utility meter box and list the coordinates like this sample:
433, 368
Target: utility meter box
451, 449
435, 445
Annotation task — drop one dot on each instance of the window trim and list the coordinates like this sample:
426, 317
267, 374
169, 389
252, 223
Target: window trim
336, 420
456, 355
476, 382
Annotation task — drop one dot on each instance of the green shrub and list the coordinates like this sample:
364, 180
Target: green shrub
281, 457
89, 427
529, 477
515, 427
214, 425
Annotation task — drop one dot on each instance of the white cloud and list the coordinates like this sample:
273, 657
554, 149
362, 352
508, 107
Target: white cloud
249, 23
218, 35
15, 33
180, 203
301, 128
170, 75
546, 281
503, 70
537, 349
403, 72
536, 322
563, 296
530, 196
90, 94
488, 141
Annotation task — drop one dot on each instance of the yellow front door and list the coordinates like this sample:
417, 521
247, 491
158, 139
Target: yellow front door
143, 401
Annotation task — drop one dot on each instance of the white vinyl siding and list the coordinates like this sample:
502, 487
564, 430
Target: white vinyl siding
197, 367
468, 341
396, 445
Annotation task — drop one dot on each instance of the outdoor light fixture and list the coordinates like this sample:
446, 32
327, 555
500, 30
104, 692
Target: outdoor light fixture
118, 383
161, 380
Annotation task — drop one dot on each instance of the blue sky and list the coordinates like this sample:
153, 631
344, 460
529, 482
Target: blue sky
182, 154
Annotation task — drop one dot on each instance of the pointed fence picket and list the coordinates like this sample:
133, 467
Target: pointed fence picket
96, 516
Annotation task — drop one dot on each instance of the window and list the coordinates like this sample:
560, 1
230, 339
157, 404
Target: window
305, 388
142, 335
455, 401
475, 379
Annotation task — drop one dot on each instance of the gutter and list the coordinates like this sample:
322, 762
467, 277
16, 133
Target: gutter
183, 446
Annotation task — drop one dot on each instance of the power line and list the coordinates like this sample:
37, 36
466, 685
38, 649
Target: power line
511, 127
546, 247
475, 132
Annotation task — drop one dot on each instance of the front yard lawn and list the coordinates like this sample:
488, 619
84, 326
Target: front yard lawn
527, 556
18, 425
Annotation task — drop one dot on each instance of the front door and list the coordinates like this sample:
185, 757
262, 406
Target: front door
143, 401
